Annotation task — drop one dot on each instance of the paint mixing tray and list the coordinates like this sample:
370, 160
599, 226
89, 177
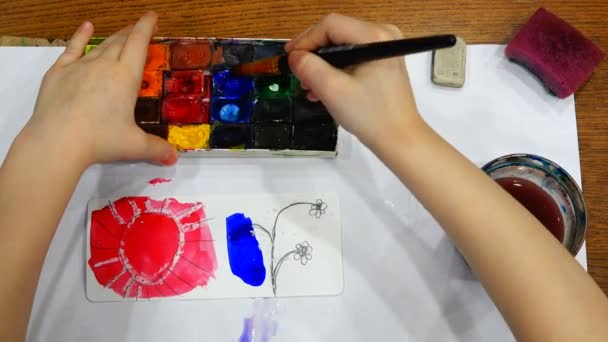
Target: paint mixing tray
189, 97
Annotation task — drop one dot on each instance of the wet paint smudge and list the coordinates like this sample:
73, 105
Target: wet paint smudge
144, 248
157, 181
262, 325
244, 254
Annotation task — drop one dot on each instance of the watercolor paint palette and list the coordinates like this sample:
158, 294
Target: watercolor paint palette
189, 97
176, 247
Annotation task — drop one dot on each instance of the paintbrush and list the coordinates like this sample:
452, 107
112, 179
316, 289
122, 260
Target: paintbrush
342, 56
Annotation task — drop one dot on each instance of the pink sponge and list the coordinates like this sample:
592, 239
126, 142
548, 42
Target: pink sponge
555, 52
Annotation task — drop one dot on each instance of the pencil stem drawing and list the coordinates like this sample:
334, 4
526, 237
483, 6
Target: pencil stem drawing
302, 251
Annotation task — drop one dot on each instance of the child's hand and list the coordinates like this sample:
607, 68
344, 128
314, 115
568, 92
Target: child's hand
86, 103
369, 100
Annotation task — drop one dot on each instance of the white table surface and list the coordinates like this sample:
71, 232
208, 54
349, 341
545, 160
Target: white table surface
403, 278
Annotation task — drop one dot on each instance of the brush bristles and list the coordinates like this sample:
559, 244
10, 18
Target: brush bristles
262, 67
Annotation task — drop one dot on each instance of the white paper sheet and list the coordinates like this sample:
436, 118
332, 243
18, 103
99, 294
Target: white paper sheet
403, 279
314, 233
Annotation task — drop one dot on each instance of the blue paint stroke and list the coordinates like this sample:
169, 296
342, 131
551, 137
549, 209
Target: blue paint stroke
262, 325
251, 333
244, 254
247, 334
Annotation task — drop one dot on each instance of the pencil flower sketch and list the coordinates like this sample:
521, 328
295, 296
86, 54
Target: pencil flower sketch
317, 209
302, 251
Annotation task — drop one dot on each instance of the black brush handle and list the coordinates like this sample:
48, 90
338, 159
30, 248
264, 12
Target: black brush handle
345, 55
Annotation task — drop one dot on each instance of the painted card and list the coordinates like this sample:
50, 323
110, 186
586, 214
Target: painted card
180, 247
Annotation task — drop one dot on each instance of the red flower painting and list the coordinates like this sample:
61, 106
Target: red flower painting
144, 248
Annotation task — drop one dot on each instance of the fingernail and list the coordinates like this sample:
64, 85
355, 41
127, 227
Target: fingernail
150, 13
295, 59
143, 18
288, 46
312, 97
170, 159
83, 25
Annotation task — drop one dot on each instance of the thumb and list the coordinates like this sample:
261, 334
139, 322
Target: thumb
158, 150
325, 81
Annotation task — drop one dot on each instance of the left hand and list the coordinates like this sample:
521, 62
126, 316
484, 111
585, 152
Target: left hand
86, 103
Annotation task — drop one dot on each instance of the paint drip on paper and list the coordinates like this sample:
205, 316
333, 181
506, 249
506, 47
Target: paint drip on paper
157, 181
